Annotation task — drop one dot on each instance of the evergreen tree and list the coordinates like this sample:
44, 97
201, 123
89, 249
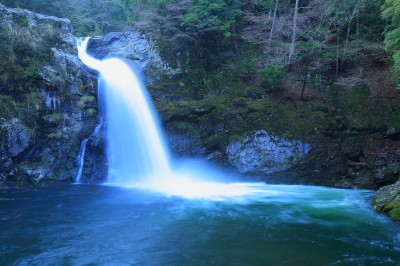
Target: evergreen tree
391, 12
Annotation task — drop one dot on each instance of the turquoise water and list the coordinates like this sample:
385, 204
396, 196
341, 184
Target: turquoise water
286, 225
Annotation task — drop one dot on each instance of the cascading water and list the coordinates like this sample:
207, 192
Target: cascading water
135, 146
136, 151
82, 151
81, 160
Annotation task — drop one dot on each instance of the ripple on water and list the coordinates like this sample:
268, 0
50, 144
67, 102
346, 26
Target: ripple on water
100, 225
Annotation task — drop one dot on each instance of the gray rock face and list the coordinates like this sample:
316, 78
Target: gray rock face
36, 20
16, 139
184, 144
136, 48
387, 175
261, 152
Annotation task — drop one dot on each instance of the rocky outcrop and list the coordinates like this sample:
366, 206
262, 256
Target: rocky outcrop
135, 47
265, 153
387, 199
48, 97
16, 138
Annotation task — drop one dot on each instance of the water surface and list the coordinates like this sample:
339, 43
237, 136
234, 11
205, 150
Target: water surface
100, 225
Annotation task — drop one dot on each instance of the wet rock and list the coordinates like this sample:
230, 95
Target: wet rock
95, 162
16, 138
387, 200
38, 175
185, 144
387, 175
262, 152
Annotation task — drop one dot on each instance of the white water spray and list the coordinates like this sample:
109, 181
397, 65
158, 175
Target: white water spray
136, 151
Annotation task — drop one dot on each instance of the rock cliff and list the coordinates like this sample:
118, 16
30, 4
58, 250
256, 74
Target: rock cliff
48, 98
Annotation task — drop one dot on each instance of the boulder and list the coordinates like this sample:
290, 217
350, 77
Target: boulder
386, 175
266, 153
387, 200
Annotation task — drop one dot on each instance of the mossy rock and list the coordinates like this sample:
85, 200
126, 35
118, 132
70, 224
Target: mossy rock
387, 200
393, 209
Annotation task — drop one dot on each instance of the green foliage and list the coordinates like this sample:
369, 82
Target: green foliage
263, 5
56, 135
355, 98
217, 15
56, 118
391, 12
157, 3
87, 17
393, 209
85, 100
91, 112
8, 107
31, 105
272, 77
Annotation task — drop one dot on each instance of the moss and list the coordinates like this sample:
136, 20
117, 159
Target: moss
85, 100
8, 106
354, 99
395, 213
272, 77
393, 209
91, 112
56, 135
56, 117
182, 125
23, 21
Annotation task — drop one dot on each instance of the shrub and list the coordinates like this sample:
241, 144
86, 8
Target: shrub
272, 77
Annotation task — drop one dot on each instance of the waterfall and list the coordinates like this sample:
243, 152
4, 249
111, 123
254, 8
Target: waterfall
82, 150
136, 149
81, 160
137, 153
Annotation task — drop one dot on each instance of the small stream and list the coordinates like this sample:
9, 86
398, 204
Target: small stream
103, 225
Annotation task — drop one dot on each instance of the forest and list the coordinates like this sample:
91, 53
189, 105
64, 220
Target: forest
313, 40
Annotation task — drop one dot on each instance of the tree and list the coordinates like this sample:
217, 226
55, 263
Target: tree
294, 32
273, 22
391, 12
212, 15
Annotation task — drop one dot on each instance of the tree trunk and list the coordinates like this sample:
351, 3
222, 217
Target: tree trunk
273, 22
293, 42
337, 56
305, 79
353, 14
